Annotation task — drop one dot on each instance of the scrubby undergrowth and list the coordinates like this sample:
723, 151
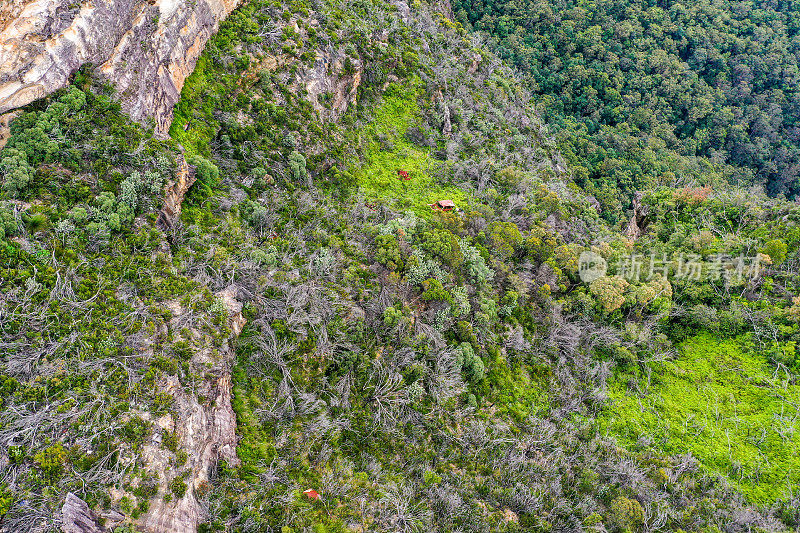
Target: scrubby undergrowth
422, 371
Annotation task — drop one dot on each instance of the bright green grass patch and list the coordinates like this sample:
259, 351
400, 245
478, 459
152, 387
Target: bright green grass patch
388, 150
198, 89
730, 409
517, 391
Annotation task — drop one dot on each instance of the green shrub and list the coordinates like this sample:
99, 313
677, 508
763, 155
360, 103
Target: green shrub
297, 164
776, 250
178, 486
433, 290
626, 514
388, 253
207, 175
475, 265
444, 245
504, 238
9, 225
78, 215
137, 191
254, 213
471, 363
391, 316
51, 461
609, 292
16, 171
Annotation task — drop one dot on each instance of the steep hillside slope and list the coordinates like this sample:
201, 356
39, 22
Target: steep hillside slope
258, 323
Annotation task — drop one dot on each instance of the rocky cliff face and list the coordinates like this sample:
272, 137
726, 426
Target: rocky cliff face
174, 193
5, 127
146, 48
206, 429
639, 218
342, 86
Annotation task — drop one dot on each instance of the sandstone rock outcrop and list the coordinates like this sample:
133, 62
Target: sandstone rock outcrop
146, 48
174, 192
639, 218
341, 87
76, 517
5, 127
206, 429
331, 82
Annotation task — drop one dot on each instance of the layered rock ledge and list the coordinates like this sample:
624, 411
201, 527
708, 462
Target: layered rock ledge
146, 48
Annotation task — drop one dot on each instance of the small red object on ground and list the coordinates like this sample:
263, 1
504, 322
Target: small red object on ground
443, 205
311, 494
403, 174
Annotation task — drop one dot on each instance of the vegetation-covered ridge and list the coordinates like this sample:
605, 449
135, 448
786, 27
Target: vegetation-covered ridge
420, 370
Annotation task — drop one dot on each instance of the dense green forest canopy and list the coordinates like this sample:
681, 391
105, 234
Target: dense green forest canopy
638, 90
